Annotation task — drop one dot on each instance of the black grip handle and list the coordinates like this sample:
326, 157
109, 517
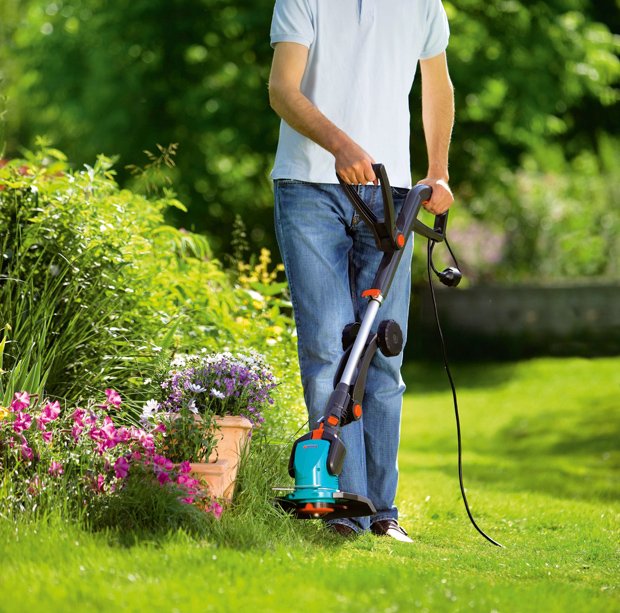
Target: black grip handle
386, 231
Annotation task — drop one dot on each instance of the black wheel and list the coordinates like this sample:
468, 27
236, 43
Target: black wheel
390, 338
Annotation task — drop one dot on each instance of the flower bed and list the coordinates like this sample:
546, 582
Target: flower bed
83, 450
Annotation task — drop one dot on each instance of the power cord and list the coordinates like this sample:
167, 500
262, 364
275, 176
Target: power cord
429, 251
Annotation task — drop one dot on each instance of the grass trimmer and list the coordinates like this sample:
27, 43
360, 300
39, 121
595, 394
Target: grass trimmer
317, 457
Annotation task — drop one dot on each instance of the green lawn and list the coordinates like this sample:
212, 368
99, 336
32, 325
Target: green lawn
541, 463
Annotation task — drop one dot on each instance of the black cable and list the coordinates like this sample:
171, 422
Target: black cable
429, 251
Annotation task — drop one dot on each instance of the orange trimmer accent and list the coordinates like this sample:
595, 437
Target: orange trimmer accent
371, 293
317, 433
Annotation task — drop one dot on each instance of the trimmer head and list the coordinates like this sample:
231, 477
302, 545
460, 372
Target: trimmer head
337, 504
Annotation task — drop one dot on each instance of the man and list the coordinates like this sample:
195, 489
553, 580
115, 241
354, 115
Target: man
340, 79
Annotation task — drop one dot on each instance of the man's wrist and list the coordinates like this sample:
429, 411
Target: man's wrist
438, 173
337, 142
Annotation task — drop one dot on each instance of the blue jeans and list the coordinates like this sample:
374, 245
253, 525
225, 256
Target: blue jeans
330, 258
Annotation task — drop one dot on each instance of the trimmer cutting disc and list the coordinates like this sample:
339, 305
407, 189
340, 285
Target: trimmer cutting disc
344, 504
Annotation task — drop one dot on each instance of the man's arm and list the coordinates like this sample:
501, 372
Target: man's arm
353, 164
438, 119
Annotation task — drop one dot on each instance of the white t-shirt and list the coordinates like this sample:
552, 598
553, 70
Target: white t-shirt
362, 61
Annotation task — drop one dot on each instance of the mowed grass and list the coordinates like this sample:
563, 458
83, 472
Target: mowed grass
541, 458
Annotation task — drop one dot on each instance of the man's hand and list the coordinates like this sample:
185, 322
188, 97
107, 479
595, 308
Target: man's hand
442, 197
353, 164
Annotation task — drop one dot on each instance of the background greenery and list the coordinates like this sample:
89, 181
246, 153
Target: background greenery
535, 154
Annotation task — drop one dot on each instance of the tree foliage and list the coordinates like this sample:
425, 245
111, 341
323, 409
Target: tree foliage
120, 77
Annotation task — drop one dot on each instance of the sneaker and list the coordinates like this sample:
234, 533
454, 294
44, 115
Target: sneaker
390, 527
342, 529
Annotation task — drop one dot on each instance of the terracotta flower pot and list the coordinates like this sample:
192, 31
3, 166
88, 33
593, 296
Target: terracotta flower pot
220, 472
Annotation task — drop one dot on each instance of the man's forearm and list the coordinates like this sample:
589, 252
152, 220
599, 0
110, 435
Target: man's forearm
437, 115
299, 113
438, 119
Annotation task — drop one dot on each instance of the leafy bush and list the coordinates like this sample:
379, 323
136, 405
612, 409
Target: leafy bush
97, 291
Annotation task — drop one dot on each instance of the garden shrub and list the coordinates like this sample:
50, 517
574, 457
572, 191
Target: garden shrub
96, 289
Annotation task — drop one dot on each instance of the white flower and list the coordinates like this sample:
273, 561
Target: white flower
216, 393
150, 408
197, 389
192, 407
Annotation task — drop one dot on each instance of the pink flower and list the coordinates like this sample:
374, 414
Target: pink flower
35, 486
50, 412
187, 481
146, 440
109, 430
216, 509
113, 398
121, 467
21, 400
100, 483
162, 462
185, 467
76, 431
78, 416
90, 419
56, 469
163, 477
47, 437
27, 453
23, 422
122, 435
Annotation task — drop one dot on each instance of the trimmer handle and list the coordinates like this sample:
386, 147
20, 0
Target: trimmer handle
389, 232
422, 194
385, 231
